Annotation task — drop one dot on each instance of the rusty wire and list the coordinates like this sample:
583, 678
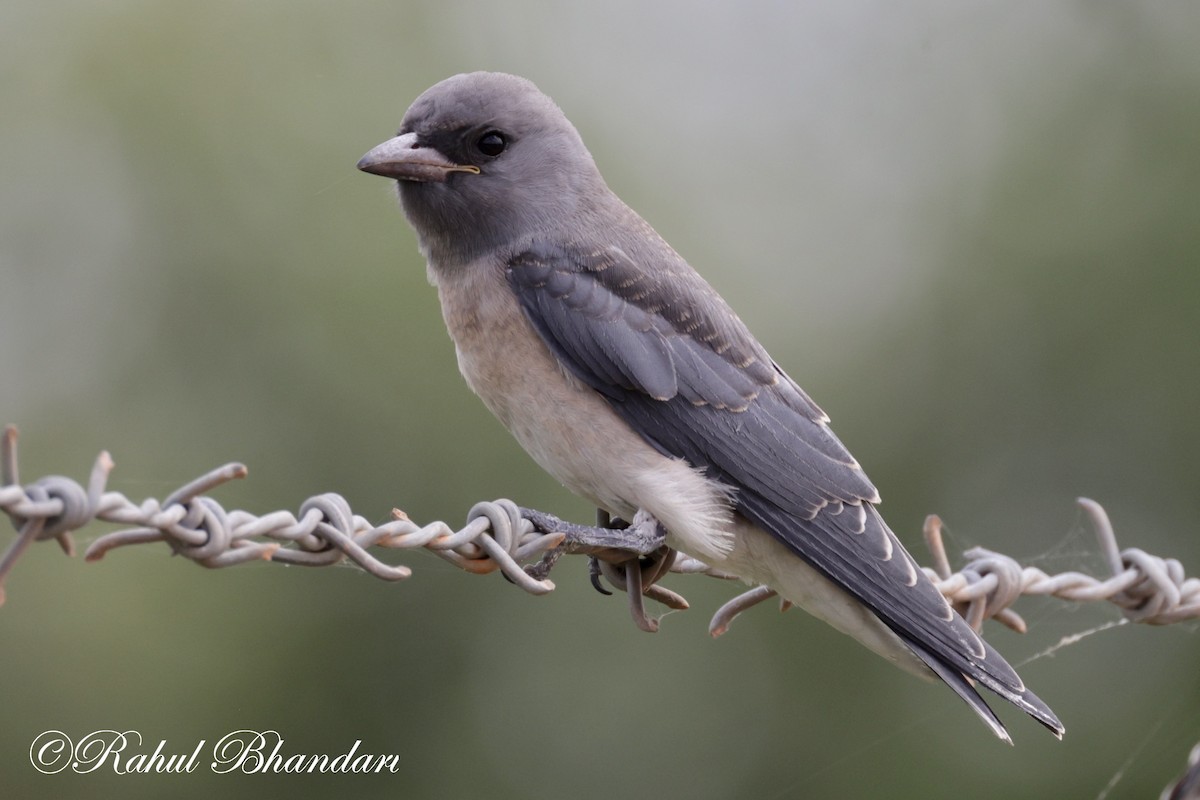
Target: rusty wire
524, 545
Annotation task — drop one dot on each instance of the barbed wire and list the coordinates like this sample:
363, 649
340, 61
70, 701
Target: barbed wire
524, 545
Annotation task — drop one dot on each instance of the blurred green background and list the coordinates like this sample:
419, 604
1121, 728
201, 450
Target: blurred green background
971, 231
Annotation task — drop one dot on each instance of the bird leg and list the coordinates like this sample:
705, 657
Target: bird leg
631, 556
642, 537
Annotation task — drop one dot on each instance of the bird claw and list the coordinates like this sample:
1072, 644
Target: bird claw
594, 576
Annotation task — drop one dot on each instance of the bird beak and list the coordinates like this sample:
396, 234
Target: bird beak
401, 158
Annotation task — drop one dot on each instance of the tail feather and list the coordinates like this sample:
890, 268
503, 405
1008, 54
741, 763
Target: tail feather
963, 688
1026, 700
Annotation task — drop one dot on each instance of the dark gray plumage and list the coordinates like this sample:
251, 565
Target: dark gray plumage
626, 376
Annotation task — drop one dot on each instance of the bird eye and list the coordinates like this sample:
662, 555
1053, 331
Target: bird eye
491, 143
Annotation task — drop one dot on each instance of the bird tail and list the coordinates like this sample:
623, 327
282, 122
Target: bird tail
964, 687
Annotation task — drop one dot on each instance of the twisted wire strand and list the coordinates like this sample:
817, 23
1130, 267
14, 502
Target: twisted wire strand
499, 535
324, 532
1147, 589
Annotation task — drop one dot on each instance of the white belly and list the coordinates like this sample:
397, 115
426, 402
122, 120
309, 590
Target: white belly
573, 434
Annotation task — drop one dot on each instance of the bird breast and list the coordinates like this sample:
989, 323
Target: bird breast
567, 427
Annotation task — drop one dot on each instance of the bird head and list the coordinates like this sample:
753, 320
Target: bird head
483, 160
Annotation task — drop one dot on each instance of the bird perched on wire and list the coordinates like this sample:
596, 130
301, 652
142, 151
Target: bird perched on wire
629, 379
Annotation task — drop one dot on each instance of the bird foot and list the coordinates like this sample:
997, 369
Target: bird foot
630, 556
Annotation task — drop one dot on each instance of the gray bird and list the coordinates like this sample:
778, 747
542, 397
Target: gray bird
631, 381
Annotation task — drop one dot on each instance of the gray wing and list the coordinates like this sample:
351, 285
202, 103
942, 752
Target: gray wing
682, 370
